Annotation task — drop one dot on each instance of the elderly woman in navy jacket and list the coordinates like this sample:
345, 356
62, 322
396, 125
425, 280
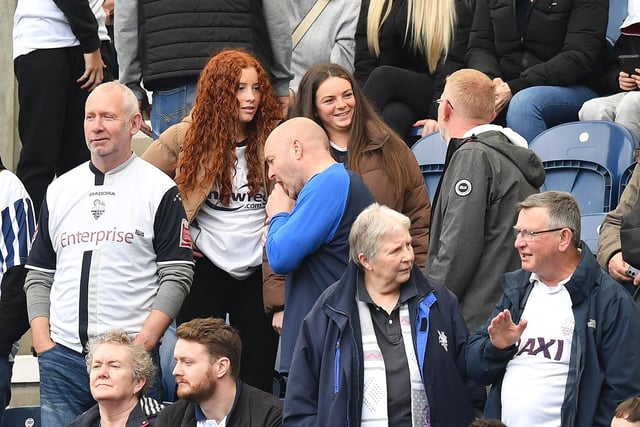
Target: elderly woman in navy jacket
383, 345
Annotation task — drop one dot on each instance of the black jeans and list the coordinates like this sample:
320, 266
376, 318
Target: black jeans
214, 293
400, 96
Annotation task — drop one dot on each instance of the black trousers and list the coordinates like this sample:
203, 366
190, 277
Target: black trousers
400, 96
214, 293
51, 116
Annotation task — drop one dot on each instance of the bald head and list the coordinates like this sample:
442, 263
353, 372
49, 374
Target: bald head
295, 151
300, 128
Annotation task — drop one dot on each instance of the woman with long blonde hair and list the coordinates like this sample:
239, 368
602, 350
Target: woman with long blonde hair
404, 51
216, 157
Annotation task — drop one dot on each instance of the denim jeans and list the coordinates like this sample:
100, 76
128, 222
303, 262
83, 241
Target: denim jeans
171, 106
167, 363
5, 383
537, 108
64, 386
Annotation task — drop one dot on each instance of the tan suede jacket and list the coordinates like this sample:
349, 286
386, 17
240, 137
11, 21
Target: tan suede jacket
412, 202
609, 241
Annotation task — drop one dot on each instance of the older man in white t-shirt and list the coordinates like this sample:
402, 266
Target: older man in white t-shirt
557, 349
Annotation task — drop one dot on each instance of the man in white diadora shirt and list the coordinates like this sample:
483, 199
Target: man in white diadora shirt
112, 251
557, 349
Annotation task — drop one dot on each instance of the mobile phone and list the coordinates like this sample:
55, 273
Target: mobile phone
632, 272
629, 63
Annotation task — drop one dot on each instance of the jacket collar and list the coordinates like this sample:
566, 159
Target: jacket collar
582, 281
340, 297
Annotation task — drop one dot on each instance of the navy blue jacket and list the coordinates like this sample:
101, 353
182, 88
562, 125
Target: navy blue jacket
603, 368
327, 372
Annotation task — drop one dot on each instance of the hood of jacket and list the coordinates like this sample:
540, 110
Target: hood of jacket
508, 143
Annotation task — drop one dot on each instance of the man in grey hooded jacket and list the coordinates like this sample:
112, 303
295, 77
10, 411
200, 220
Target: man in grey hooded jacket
488, 169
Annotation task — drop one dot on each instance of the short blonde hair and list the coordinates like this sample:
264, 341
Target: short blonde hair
370, 226
472, 94
141, 363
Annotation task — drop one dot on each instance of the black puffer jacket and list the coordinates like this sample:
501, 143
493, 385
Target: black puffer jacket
561, 43
176, 43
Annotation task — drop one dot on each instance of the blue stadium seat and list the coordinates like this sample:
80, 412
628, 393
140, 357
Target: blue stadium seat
586, 159
617, 14
22, 416
590, 224
430, 153
625, 178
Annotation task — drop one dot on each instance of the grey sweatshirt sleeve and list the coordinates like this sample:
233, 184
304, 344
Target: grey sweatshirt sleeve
125, 22
175, 282
344, 49
37, 286
280, 36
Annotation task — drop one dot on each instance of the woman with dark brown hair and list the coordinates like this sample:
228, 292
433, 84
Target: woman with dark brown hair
329, 94
216, 157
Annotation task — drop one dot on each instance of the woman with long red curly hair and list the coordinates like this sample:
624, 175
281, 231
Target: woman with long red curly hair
216, 157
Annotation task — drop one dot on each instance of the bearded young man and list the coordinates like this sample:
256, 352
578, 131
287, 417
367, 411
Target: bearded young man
207, 358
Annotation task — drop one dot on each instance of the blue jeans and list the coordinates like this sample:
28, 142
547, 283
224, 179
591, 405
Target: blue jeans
537, 108
5, 384
167, 363
64, 386
171, 106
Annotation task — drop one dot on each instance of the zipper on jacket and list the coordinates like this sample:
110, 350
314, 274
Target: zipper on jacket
336, 367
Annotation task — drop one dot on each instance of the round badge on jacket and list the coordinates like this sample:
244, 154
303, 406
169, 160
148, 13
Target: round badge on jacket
463, 187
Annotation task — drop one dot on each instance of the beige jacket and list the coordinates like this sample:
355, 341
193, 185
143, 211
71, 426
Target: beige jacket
609, 241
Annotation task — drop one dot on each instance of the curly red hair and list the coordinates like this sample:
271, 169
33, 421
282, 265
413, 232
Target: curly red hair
209, 148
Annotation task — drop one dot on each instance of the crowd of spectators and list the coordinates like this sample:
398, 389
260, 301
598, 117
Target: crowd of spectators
280, 199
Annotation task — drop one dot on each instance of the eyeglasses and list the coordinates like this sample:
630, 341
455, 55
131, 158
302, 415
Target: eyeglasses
441, 100
530, 235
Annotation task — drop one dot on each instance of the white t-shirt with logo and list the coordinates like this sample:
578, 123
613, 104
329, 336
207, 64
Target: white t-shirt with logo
534, 383
230, 236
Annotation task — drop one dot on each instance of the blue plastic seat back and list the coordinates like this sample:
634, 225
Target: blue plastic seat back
617, 14
22, 416
603, 143
625, 178
590, 183
590, 224
430, 153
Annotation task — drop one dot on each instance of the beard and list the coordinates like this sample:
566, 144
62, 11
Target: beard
198, 392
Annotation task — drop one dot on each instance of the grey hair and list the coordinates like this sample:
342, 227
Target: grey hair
370, 226
130, 102
141, 363
564, 211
